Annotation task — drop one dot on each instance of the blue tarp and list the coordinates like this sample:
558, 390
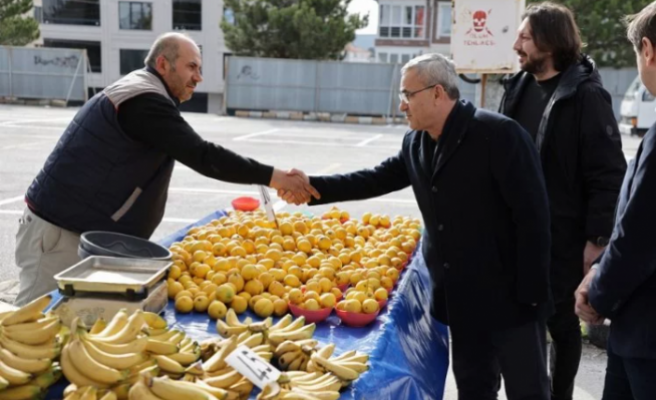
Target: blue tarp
408, 348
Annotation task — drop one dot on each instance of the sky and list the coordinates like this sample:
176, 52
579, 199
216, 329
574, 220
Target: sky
363, 7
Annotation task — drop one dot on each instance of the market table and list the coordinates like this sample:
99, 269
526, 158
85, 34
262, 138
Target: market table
408, 348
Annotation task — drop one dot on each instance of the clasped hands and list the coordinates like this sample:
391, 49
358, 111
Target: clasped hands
583, 308
293, 186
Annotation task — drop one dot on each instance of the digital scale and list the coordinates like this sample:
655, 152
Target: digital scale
99, 286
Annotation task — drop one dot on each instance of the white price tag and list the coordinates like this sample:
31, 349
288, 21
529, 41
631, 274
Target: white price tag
252, 366
268, 206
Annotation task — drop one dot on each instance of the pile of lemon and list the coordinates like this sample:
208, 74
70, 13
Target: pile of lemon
243, 260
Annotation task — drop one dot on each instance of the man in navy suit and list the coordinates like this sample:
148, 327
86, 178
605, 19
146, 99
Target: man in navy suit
622, 286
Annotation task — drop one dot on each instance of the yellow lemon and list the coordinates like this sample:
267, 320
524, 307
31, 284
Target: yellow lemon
328, 300
201, 303
225, 293
175, 288
239, 304
184, 304
217, 310
263, 308
280, 307
370, 306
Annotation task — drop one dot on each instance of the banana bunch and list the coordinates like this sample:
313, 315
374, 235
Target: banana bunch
29, 343
295, 356
347, 367
72, 392
149, 388
302, 387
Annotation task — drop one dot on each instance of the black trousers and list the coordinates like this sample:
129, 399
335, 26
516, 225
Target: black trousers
565, 329
629, 378
518, 354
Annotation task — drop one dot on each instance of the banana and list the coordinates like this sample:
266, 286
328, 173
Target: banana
217, 361
296, 363
122, 391
140, 367
155, 332
224, 381
166, 335
118, 361
127, 334
169, 365
46, 379
254, 340
117, 323
30, 326
219, 372
136, 346
355, 366
344, 355
172, 390
298, 396
89, 393
25, 392
304, 364
109, 396
188, 378
282, 323
3, 383
341, 372
185, 358
98, 326
312, 343
305, 332
333, 385
83, 361
150, 371
140, 391
186, 342
29, 312
154, 321
359, 358
23, 364
286, 347
232, 320
220, 394
226, 330
261, 326
70, 389
327, 351
320, 395
49, 350
177, 339
243, 336
285, 360
190, 347
73, 375
244, 387
261, 348
195, 369
160, 347
303, 377
297, 323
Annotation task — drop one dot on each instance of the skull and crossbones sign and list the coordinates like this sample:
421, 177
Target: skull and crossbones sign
479, 22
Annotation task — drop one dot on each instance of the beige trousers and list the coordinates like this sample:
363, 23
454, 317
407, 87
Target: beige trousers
42, 251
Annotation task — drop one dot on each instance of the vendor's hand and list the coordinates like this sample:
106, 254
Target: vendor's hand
590, 254
583, 308
294, 186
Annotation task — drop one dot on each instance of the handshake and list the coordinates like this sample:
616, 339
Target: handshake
293, 186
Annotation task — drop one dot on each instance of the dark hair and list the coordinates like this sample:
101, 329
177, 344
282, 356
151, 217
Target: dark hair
642, 25
554, 30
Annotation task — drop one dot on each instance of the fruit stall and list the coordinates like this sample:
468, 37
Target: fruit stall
302, 307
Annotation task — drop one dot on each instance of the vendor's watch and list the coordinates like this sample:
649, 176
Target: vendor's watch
600, 241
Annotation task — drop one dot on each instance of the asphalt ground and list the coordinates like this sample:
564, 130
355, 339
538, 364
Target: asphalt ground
28, 134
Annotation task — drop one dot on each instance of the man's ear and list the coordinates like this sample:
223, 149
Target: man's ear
648, 51
162, 64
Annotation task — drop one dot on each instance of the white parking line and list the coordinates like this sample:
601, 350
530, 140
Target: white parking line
255, 134
11, 212
11, 200
367, 141
26, 145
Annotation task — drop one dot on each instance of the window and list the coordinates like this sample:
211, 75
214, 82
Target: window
132, 60
187, 15
403, 22
38, 14
71, 12
229, 15
443, 20
135, 15
382, 57
92, 48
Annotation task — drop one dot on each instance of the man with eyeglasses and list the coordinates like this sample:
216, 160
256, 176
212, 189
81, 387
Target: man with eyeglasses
478, 182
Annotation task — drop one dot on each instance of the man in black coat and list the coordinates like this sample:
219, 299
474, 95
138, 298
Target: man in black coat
478, 183
559, 99
622, 286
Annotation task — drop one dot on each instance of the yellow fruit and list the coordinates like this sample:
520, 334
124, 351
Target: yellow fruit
328, 300
360, 296
184, 304
326, 284
174, 272
304, 246
311, 305
386, 282
254, 287
273, 254
353, 306
225, 293
238, 251
174, 288
381, 294
327, 272
183, 293
276, 288
296, 296
199, 255
219, 278
237, 280
249, 271
292, 280
373, 283
245, 295
341, 305
280, 307
197, 280
366, 217
263, 308
309, 294
201, 303
336, 292
217, 310
324, 243
370, 306
313, 286
201, 271
209, 288
278, 274
222, 265
239, 304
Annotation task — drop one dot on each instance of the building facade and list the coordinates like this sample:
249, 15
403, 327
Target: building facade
408, 28
117, 35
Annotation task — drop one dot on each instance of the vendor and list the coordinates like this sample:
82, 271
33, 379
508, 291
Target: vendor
111, 168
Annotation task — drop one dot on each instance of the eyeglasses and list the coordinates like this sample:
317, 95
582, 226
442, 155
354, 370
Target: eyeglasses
405, 97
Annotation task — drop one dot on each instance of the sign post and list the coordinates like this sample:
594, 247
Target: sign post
482, 37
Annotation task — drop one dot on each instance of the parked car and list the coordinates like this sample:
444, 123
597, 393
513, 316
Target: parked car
638, 110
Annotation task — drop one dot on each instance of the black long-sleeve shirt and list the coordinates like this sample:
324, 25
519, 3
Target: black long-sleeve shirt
153, 119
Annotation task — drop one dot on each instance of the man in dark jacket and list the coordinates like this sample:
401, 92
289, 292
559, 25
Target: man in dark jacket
558, 98
111, 168
478, 183
622, 287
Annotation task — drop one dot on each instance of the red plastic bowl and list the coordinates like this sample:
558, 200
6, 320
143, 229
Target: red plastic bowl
382, 303
245, 203
310, 316
343, 287
356, 320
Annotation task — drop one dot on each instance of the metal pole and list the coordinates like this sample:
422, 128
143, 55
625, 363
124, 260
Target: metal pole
11, 83
70, 88
483, 82
391, 97
86, 69
316, 87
